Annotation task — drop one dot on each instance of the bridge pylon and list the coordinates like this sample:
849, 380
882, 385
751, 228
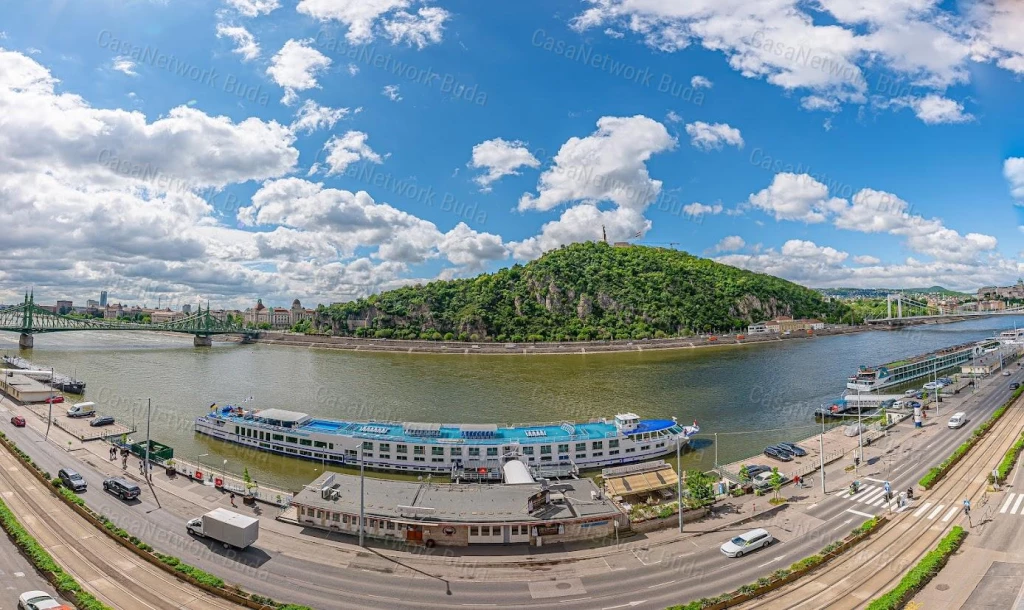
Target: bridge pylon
26, 341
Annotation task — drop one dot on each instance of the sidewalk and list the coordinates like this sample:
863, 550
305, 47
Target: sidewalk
518, 562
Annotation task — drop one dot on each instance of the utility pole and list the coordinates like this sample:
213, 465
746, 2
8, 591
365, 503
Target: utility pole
716, 451
821, 452
149, 404
361, 492
679, 484
49, 415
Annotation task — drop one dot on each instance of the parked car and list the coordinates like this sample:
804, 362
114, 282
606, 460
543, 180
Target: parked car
1006, 373
18, 421
103, 420
1013, 386
764, 480
793, 448
71, 479
932, 385
755, 469
913, 404
910, 393
782, 456
54, 400
748, 542
39, 600
126, 490
783, 449
887, 404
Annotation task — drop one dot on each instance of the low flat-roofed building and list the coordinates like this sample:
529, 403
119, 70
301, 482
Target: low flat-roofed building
24, 389
460, 514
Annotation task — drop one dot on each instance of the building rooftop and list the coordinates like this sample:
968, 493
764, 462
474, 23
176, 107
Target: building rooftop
456, 503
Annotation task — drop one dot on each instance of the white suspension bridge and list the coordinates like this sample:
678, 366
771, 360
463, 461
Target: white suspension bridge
920, 313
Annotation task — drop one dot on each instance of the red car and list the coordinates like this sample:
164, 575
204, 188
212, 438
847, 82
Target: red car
18, 421
55, 399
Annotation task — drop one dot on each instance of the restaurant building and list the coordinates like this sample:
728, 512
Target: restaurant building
460, 514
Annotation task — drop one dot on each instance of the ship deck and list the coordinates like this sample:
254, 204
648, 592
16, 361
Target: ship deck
481, 434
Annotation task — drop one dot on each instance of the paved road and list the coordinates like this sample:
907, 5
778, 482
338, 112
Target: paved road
679, 571
17, 575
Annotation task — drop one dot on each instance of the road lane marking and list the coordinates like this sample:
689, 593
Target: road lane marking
629, 605
857, 512
1009, 501
951, 512
921, 510
874, 480
1016, 504
938, 509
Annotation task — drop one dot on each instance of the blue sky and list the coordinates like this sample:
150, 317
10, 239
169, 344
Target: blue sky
217, 150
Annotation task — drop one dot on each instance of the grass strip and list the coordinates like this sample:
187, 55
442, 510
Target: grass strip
922, 573
44, 562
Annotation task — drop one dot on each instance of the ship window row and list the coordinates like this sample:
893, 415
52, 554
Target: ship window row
267, 436
490, 451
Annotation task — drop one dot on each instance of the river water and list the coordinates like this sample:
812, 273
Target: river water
750, 395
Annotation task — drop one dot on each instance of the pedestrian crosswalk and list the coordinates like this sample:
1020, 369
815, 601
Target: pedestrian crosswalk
1012, 504
872, 495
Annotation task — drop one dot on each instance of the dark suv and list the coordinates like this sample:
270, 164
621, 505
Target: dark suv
126, 490
71, 479
782, 456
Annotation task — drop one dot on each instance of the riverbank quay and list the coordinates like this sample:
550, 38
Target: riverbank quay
654, 570
566, 347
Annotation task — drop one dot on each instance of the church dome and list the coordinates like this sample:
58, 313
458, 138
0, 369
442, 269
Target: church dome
296, 304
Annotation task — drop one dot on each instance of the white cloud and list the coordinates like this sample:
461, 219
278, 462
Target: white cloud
245, 43
608, 165
124, 65
353, 69
672, 117
347, 149
701, 82
825, 47
711, 136
470, 249
730, 243
312, 116
796, 197
934, 109
1013, 169
391, 92
296, 66
254, 8
699, 209
583, 222
366, 19
500, 158
866, 259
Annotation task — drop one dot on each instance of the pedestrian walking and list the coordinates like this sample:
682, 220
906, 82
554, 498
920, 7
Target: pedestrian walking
233, 499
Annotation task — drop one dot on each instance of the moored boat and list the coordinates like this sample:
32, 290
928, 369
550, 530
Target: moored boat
445, 448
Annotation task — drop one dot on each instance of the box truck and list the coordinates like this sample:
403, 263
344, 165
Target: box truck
225, 526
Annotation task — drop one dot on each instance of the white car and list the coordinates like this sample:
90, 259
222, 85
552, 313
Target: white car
745, 543
39, 600
1006, 373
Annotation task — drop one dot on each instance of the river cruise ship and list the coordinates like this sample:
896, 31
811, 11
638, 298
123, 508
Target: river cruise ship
445, 448
872, 379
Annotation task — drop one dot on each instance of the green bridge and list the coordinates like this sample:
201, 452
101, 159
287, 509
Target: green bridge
30, 319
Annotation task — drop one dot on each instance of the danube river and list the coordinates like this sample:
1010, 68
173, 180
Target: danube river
750, 395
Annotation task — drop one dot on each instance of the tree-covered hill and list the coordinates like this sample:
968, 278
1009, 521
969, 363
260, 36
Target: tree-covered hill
579, 292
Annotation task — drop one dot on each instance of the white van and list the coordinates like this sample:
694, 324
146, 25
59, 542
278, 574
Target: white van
899, 404
764, 480
82, 409
958, 420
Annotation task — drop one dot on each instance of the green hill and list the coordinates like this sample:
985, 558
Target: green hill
583, 291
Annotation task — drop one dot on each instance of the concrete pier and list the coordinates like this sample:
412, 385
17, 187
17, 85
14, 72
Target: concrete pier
26, 341
201, 341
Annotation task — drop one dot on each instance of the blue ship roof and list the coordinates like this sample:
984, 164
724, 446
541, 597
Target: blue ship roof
461, 434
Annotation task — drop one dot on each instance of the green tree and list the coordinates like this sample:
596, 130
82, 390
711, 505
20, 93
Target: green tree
744, 473
701, 488
776, 481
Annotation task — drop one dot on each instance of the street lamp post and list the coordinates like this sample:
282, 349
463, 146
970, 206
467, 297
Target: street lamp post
199, 462
149, 405
49, 413
821, 452
679, 485
361, 491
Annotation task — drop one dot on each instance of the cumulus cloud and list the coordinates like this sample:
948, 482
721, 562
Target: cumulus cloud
296, 67
935, 109
471, 250
699, 209
796, 197
582, 222
608, 165
730, 243
1013, 169
391, 92
866, 259
393, 19
701, 82
124, 65
500, 158
347, 149
824, 48
712, 136
312, 116
245, 43
254, 8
